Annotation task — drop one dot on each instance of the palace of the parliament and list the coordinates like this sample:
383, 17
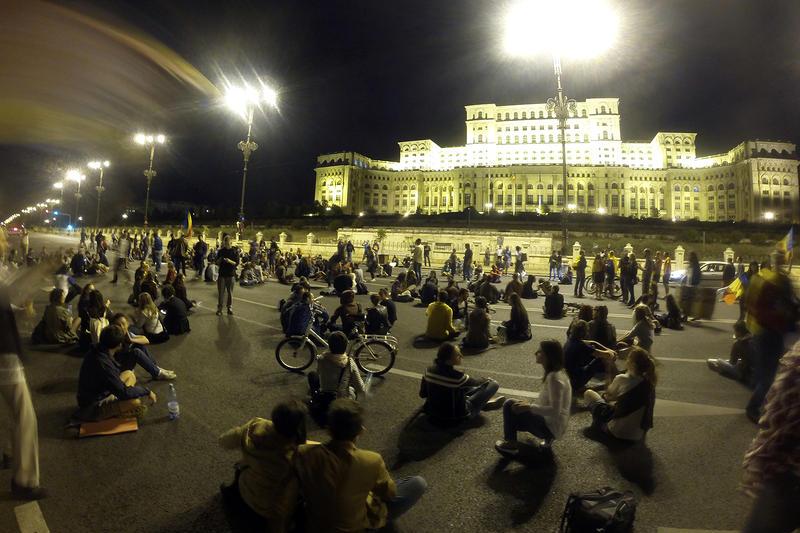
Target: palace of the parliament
511, 163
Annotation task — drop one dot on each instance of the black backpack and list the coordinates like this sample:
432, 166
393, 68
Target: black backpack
601, 511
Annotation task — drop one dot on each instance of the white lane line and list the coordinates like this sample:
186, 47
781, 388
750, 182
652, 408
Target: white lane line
30, 518
237, 317
255, 303
617, 315
682, 530
485, 371
663, 408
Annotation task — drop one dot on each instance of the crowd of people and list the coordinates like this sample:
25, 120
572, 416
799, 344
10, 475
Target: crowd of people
612, 376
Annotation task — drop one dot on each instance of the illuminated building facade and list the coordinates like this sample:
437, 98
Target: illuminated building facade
511, 162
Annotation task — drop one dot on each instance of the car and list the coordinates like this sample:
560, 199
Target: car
16, 229
710, 274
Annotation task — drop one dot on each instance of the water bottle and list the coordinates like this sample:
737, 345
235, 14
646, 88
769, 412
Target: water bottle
172, 404
367, 383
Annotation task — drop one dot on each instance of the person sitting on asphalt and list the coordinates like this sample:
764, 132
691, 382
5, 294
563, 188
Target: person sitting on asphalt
147, 319
134, 352
264, 491
83, 314
336, 372
377, 322
343, 282
673, 318
57, 325
401, 290
529, 292
176, 320
514, 287
138, 277
440, 320
429, 291
584, 358
600, 329
625, 410
171, 273
282, 274
554, 304
488, 291
518, 327
180, 291
478, 335
211, 273
584, 313
547, 418
103, 390
391, 308
150, 285
642, 331
349, 313
98, 312
78, 263
451, 395
460, 305
739, 365
366, 497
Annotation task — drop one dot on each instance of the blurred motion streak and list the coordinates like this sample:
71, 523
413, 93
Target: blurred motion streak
68, 79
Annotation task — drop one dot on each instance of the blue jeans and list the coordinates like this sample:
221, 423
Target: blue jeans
409, 491
418, 271
157, 259
478, 396
767, 348
138, 356
467, 272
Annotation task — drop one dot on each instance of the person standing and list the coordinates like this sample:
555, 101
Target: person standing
467, 262
728, 273
552, 262
417, 258
227, 260
666, 272
24, 243
180, 250
200, 252
772, 312
123, 250
558, 266
519, 264
487, 257
349, 249
611, 272
633, 272
598, 275
580, 274
624, 278
427, 254
647, 272
158, 250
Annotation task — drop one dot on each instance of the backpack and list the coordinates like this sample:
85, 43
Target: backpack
603, 511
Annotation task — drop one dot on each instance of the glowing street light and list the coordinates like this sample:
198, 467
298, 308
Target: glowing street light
59, 186
769, 215
592, 30
244, 100
99, 165
76, 176
150, 141
572, 207
124, 216
488, 206
601, 211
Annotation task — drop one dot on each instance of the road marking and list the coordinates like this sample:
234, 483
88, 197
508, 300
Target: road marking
663, 408
682, 530
30, 518
255, 303
236, 317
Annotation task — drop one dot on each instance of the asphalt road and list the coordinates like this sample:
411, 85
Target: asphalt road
165, 477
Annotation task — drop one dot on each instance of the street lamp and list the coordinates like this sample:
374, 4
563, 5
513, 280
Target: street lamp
59, 186
488, 206
243, 101
99, 165
769, 215
601, 210
77, 177
592, 29
150, 141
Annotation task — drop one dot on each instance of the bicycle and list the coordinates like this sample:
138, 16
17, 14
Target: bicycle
373, 354
590, 288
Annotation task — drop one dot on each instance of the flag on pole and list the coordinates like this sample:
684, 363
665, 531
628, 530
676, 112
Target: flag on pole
188, 223
786, 245
735, 290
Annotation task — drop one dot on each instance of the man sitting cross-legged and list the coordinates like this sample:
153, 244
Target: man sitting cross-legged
134, 352
348, 489
103, 390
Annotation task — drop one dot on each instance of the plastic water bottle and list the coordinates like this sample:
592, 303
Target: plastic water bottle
172, 404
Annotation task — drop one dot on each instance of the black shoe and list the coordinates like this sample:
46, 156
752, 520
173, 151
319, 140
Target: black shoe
27, 493
753, 417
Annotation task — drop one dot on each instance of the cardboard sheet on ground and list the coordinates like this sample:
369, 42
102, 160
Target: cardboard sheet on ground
112, 426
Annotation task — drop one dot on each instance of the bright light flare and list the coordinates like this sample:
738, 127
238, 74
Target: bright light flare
769, 215
75, 175
124, 216
140, 138
94, 165
58, 185
242, 99
601, 211
565, 28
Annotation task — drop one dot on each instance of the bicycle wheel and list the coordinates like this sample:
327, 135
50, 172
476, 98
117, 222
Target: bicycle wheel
375, 356
589, 286
294, 354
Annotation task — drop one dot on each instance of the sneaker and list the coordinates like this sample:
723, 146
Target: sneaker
27, 493
166, 375
507, 448
230, 311
219, 312
713, 364
494, 404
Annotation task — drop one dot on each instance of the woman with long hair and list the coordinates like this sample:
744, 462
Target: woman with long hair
585, 313
547, 418
518, 328
180, 291
600, 329
97, 309
642, 331
625, 410
666, 272
147, 318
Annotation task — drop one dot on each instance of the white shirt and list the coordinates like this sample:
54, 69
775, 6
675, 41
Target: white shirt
419, 252
630, 426
96, 325
554, 402
151, 325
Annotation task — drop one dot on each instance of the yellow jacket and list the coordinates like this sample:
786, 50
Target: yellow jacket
440, 321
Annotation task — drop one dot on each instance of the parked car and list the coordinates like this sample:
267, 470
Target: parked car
710, 274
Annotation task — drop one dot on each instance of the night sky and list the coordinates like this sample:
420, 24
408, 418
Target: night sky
362, 75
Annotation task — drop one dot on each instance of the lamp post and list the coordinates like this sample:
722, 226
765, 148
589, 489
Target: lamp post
77, 177
244, 101
59, 185
149, 141
593, 25
99, 165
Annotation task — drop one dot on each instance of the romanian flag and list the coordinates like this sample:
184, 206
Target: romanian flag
735, 290
188, 223
786, 245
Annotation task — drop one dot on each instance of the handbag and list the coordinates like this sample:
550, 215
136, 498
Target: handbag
601, 511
